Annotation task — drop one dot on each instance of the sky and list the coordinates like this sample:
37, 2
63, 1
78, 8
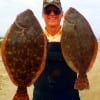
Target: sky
9, 9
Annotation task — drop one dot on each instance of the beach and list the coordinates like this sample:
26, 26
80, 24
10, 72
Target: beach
8, 89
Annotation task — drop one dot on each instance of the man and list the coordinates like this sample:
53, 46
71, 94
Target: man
52, 14
57, 80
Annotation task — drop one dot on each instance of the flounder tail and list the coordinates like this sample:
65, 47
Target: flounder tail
81, 82
21, 94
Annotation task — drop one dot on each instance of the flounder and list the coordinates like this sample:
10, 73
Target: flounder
24, 52
79, 46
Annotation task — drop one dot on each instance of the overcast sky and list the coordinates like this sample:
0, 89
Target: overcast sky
10, 8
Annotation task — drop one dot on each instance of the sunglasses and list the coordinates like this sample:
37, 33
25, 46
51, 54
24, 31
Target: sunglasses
48, 11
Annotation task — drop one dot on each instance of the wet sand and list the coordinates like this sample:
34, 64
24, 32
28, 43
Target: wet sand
8, 89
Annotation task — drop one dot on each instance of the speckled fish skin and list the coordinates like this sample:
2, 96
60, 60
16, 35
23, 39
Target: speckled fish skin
79, 44
24, 50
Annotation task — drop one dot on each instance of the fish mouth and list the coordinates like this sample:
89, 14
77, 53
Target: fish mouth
20, 26
68, 19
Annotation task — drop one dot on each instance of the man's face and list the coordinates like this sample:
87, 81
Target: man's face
52, 16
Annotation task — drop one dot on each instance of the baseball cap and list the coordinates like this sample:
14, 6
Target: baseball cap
55, 3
